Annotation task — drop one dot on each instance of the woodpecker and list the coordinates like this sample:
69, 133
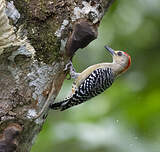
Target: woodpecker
94, 80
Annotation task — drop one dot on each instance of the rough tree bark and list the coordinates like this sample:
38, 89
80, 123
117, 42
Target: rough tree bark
37, 39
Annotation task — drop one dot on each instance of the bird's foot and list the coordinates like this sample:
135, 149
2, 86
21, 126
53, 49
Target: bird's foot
73, 74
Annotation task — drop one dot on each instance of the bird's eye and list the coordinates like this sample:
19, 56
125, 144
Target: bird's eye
119, 53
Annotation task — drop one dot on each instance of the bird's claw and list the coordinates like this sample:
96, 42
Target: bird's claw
72, 73
68, 66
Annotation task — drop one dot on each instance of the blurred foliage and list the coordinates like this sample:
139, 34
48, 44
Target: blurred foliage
125, 118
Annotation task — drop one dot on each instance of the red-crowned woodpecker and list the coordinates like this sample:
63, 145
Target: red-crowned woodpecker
94, 80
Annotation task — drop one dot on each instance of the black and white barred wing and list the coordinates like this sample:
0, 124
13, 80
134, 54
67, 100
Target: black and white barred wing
97, 82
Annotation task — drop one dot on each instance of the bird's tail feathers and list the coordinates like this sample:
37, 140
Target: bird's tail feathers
59, 105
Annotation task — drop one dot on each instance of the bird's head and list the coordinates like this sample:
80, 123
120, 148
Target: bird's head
121, 58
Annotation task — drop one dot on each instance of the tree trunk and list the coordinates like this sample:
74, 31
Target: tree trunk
37, 39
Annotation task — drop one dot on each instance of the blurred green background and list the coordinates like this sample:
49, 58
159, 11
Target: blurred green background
126, 117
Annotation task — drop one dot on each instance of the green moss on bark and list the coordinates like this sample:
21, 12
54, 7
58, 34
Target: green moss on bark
39, 20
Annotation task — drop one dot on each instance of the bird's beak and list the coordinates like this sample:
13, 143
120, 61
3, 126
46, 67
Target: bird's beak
110, 50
